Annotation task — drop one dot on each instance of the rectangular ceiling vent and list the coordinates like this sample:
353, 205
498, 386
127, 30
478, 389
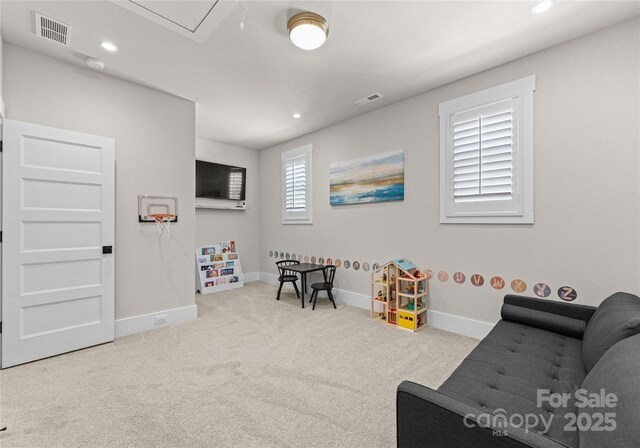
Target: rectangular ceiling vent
368, 99
52, 29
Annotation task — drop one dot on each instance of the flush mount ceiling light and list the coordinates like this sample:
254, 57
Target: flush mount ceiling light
296, 116
308, 30
542, 7
109, 46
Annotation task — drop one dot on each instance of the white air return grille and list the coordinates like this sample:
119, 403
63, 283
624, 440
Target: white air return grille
368, 99
52, 29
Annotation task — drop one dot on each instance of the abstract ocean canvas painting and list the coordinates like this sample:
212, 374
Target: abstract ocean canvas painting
376, 178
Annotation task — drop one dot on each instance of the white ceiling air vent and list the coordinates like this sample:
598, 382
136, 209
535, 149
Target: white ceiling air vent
368, 99
52, 29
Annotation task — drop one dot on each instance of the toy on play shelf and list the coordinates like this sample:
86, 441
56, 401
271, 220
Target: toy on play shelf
411, 288
391, 316
384, 277
421, 287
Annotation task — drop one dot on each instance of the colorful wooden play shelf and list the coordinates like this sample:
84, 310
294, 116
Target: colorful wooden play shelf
399, 295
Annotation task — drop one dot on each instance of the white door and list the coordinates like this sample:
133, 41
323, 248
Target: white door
58, 213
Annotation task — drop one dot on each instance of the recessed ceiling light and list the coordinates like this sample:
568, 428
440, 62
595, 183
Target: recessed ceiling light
109, 46
297, 115
308, 30
542, 7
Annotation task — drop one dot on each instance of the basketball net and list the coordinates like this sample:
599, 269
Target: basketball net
163, 220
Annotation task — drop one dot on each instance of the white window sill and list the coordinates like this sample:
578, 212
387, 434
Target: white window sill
289, 222
487, 220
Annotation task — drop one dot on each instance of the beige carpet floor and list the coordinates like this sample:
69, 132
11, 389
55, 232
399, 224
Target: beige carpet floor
250, 372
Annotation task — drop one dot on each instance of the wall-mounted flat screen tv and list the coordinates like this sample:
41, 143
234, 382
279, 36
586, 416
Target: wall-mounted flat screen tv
217, 181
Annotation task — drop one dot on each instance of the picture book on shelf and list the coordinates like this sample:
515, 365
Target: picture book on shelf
228, 246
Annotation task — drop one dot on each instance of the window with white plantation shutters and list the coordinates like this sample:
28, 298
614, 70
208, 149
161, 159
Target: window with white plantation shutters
482, 146
296, 186
486, 149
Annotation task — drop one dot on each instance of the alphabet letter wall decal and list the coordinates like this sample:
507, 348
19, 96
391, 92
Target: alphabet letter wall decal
518, 286
497, 282
459, 277
477, 280
542, 290
567, 293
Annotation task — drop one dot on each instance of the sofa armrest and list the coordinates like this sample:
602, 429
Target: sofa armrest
571, 310
429, 419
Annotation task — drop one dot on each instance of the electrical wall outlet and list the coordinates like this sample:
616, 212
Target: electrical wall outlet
160, 319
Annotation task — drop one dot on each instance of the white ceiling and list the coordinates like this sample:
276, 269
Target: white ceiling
248, 83
188, 17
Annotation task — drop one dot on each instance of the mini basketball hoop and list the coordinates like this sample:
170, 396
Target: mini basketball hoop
163, 220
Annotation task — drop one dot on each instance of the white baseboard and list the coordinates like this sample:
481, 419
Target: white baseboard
353, 299
146, 322
436, 319
251, 277
457, 324
265, 277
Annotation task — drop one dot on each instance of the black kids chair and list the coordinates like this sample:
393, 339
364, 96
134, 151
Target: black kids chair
329, 273
287, 276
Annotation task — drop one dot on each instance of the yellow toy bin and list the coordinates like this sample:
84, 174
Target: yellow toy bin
406, 320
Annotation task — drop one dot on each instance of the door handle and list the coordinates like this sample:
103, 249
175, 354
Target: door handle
107, 249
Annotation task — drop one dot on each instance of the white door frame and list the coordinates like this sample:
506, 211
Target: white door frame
2, 117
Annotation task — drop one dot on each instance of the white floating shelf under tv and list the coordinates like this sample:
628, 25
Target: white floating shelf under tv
220, 204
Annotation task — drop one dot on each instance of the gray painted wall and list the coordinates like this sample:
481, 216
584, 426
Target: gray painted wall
155, 149
586, 186
243, 226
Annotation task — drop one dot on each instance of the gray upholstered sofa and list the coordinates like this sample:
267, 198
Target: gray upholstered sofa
498, 396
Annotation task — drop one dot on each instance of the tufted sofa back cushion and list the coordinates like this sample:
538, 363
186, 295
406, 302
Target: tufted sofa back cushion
617, 318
